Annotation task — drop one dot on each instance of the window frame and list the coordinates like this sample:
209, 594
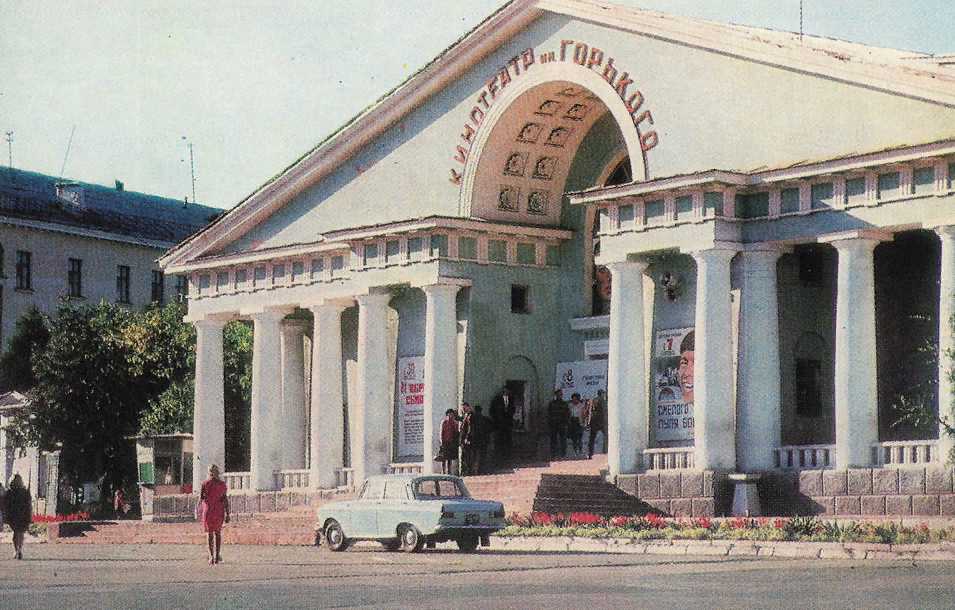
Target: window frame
75, 278
24, 269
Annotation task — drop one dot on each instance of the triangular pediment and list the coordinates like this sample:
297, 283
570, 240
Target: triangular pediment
453, 138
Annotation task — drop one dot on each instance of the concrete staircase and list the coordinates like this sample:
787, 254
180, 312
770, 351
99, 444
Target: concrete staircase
576, 493
516, 488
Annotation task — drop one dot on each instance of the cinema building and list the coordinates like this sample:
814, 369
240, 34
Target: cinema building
578, 184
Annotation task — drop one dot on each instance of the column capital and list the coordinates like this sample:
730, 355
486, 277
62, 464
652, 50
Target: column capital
373, 298
271, 313
211, 323
946, 232
451, 289
857, 239
716, 254
628, 265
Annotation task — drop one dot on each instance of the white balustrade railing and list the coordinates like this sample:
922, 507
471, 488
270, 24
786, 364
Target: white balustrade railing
346, 477
669, 459
236, 481
806, 457
905, 453
291, 479
404, 468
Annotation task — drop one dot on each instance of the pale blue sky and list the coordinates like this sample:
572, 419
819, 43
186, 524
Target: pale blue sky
254, 84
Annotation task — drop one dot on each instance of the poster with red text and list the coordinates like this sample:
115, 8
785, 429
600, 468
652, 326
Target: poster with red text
410, 397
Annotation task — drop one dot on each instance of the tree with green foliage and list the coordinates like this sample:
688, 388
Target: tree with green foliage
30, 335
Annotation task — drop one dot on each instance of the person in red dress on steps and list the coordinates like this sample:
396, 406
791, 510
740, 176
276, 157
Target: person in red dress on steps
215, 511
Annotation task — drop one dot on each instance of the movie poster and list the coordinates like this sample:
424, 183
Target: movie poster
672, 389
584, 377
410, 397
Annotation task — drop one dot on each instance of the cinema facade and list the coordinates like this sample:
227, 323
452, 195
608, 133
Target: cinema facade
578, 182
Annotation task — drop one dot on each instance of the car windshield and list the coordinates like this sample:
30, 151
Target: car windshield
428, 489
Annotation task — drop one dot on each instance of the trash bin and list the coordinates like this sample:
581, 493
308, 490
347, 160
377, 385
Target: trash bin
745, 494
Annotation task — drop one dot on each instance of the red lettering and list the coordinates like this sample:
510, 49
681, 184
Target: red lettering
596, 58
610, 73
476, 110
483, 99
513, 62
633, 107
492, 87
468, 132
414, 400
455, 177
649, 140
462, 155
563, 48
622, 85
644, 116
504, 76
527, 57
580, 53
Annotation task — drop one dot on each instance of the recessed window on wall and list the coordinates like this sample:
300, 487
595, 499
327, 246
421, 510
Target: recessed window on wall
789, 201
278, 274
258, 277
371, 254
855, 191
24, 270
415, 248
298, 270
951, 175
467, 248
497, 251
821, 195
553, 256
654, 211
182, 287
752, 205
338, 263
392, 251
625, 214
439, 245
526, 254
923, 180
122, 283
713, 204
205, 282
222, 281
241, 277
684, 207
75, 278
318, 266
889, 185
520, 299
158, 287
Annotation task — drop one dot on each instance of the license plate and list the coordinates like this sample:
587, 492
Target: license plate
472, 519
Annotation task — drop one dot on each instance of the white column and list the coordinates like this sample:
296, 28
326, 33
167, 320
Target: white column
370, 421
856, 397
266, 433
714, 400
328, 422
946, 339
208, 422
294, 408
440, 365
627, 406
758, 399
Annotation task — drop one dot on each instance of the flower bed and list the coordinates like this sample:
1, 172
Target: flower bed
654, 527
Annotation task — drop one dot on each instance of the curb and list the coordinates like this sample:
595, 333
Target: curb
935, 551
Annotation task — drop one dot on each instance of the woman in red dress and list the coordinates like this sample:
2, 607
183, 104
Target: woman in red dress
215, 511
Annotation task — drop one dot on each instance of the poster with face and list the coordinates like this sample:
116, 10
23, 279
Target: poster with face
672, 391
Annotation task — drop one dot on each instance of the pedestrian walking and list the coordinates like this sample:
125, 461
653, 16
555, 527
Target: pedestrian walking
214, 511
17, 506
596, 419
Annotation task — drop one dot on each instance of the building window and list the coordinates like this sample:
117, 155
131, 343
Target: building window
122, 283
24, 270
76, 278
158, 292
182, 287
520, 299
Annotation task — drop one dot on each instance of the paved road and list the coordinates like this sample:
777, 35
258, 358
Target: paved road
78, 577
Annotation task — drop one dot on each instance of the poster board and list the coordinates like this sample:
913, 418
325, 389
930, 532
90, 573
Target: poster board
410, 407
671, 389
584, 377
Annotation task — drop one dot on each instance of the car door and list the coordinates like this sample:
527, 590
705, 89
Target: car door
363, 522
394, 507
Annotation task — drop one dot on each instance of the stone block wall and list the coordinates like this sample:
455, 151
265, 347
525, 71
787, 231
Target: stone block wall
864, 492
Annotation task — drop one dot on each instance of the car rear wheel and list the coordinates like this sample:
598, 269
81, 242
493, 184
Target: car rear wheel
468, 543
335, 537
410, 537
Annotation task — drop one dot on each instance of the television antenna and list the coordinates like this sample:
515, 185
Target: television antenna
66, 156
192, 169
10, 148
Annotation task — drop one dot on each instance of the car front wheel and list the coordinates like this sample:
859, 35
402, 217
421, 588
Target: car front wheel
335, 537
411, 540
468, 543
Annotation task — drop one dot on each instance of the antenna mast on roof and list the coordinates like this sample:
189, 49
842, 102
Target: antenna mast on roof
66, 156
10, 147
192, 169
800, 20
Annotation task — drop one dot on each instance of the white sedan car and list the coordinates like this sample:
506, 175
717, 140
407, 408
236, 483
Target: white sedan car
406, 511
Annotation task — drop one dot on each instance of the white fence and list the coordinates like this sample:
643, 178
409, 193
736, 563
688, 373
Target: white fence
669, 459
806, 457
905, 453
